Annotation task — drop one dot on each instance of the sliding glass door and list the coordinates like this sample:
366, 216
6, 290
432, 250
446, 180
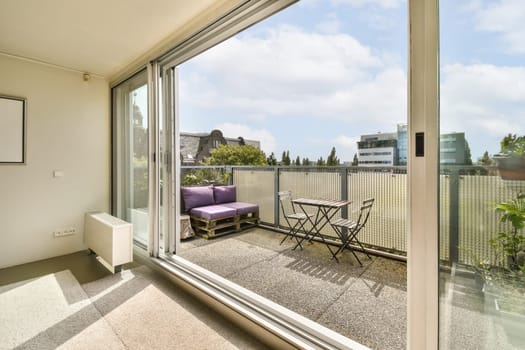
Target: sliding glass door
482, 274
130, 154
464, 254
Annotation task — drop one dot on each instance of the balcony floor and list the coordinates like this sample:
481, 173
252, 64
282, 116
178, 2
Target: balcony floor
366, 304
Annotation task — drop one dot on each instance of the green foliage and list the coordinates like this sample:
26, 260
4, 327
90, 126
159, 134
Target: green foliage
355, 161
206, 177
321, 162
507, 283
286, 158
513, 146
513, 211
468, 155
297, 161
271, 160
236, 155
332, 158
485, 160
511, 243
306, 162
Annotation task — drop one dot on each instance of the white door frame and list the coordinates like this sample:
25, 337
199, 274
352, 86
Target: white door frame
423, 176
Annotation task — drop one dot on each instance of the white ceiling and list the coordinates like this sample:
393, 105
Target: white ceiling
96, 36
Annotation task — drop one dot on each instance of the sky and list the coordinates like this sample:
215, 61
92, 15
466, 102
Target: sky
321, 73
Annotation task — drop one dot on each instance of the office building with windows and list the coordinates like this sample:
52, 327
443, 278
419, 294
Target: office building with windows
378, 150
386, 149
453, 149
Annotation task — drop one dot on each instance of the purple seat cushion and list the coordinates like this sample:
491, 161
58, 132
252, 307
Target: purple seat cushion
197, 197
212, 212
242, 208
224, 194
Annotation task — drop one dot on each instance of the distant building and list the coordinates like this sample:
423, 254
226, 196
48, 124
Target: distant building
402, 143
386, 149
378, 150
453, 149
194, 147
139, 135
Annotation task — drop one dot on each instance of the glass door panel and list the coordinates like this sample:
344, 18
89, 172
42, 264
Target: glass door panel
302, 88
131, 159
482, 285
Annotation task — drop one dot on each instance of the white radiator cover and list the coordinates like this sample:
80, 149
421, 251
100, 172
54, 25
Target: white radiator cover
109, 237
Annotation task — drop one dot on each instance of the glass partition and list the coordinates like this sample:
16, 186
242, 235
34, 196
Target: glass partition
130, 158
313, 101
482, 284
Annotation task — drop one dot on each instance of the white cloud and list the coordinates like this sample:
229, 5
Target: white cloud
485, 101
505, 17
379, 98
291, 72
346, 147
233, 130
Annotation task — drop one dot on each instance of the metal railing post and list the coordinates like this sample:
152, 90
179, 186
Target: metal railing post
454, 216
230, 170
276, 173
344, 190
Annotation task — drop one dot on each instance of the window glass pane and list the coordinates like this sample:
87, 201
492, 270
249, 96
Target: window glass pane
131, 158
482, 286
313, 101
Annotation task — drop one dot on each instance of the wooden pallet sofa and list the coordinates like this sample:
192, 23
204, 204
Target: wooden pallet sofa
214, 210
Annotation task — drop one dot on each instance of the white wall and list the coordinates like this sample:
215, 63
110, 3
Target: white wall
68, 129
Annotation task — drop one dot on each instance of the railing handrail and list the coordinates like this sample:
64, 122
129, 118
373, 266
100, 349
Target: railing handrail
443, 168
457, 224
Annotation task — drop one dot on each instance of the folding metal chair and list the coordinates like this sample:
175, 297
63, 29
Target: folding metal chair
285, 199
347, 230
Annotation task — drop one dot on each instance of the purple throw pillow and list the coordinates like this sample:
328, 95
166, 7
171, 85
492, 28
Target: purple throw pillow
197, 196
225, 194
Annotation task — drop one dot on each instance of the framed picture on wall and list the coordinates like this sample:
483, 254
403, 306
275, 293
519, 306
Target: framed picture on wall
12, 130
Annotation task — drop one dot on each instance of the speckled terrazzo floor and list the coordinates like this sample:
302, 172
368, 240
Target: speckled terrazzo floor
366, 304
133, 309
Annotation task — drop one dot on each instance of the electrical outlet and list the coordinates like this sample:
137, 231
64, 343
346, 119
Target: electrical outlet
64, 232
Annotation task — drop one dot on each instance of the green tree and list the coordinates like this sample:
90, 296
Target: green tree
332, 158
306, 162
206, 177
321, 162
236, 155
297, 161
271, 160
468, 155
286, 158
355, 161
485, 160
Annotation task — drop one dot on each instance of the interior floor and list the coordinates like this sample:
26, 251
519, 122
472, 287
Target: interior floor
73, 302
